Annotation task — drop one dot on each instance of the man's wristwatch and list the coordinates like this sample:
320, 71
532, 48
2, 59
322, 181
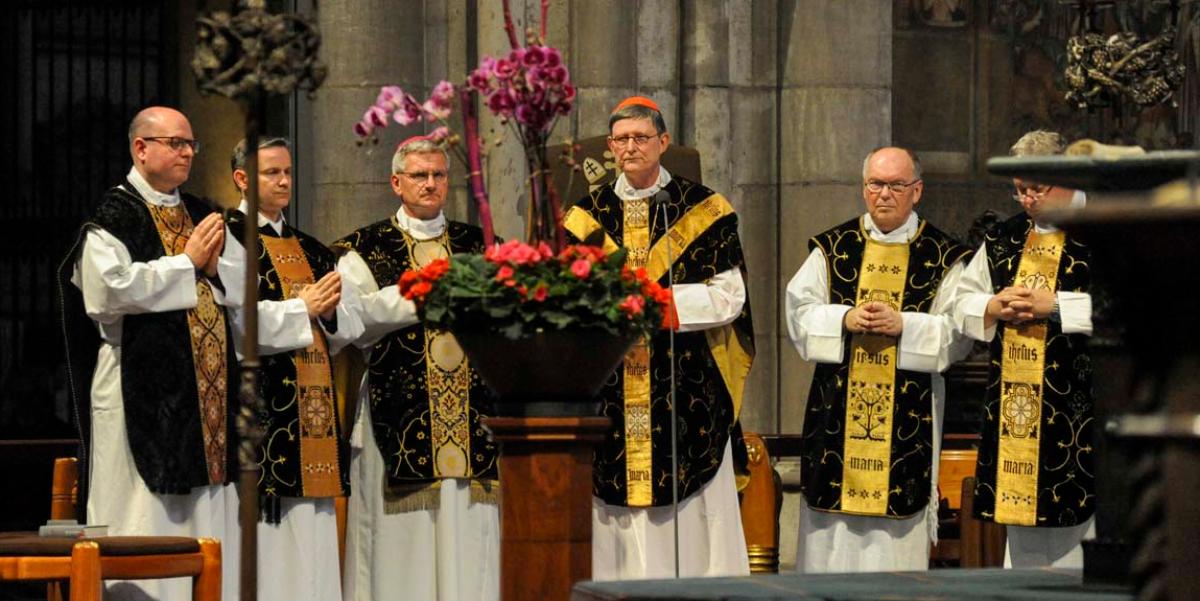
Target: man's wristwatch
1055, 313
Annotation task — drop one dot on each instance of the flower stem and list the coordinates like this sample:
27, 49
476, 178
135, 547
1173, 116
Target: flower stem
545, 9
508, 26
474, 165
556, 212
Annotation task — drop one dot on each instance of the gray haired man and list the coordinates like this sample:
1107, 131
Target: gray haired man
423, 523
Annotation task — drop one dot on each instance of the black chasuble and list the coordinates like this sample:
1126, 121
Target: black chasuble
303, 452
633, 463
1060, 426
901, 473
426, 403
178, 368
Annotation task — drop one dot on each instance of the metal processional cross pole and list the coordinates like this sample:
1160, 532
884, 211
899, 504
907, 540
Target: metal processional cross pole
247, 56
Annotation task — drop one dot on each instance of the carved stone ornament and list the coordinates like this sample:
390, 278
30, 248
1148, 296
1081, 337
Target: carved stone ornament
1104, 69
254, 51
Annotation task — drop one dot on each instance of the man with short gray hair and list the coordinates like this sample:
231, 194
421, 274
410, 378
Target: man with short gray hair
423, 523
871, 307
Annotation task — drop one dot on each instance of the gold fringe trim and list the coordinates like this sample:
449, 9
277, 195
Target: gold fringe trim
427, 496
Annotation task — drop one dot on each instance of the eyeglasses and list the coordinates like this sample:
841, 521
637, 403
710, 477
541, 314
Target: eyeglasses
1033, 192
875, 186
637, 140
421, 176
176, 144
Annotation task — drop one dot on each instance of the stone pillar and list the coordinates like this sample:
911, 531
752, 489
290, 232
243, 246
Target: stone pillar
366, 45
504, 171
728, 114
834, 107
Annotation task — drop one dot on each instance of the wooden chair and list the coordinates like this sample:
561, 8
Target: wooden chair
85, 563
956, 463
81, 568
64, 499
761, 500
982, 542
963, 541
64, 489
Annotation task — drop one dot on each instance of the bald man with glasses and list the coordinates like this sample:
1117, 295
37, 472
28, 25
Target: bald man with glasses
871, 307
156, 403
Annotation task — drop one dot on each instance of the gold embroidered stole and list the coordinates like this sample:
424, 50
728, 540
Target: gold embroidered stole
206, 328
639, 449
870, 391
320, 474
1022, 373
733, 361
447, 379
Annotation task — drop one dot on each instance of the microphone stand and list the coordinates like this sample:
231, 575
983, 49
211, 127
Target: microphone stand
662, 205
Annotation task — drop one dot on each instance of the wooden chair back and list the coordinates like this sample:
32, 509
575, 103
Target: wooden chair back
982, 542
85, 563
761, 500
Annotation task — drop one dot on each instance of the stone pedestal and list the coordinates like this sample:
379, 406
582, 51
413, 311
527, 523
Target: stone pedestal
546, 503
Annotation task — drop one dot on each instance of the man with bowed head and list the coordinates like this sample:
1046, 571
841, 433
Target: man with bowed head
156, 412
686, 237
1028, 293
423, 523
871, 306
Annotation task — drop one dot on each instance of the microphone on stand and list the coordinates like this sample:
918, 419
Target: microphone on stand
660, 200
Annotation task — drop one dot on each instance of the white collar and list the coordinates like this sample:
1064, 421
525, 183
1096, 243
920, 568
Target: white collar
625, 191
244, 207
904, 233
421, 229
1078, 201
152, 196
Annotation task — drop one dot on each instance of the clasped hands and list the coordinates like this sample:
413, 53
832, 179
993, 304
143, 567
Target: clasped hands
874, 318
1018, 305
205, 244
322, 297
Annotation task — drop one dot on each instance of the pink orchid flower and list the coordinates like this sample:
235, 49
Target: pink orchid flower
376, 116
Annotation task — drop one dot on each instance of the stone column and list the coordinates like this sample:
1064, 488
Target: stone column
504, 171
835, 106
366, 45
728, 114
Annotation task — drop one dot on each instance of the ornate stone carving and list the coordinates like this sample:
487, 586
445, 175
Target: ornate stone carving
253, 51
1102, 70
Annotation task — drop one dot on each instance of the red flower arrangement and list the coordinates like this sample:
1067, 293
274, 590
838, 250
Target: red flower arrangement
518, 289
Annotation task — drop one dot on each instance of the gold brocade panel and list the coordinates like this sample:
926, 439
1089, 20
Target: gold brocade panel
206, 326
1021, 379
320, 474
447, 378
638, 445
871, 395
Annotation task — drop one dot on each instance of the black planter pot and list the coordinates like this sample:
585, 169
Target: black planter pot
551, 373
